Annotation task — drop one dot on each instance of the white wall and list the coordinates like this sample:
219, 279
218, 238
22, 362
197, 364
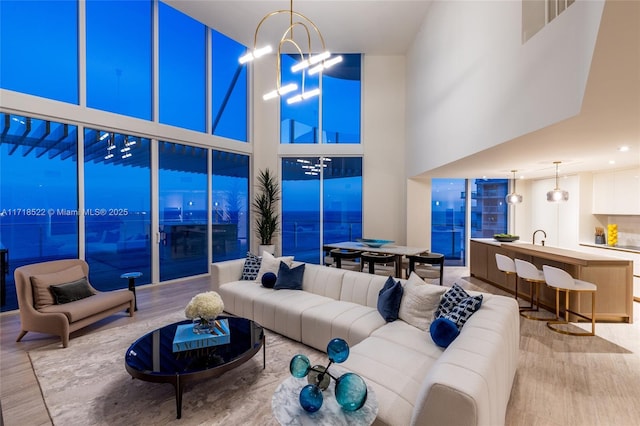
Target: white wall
383, 132
471, 84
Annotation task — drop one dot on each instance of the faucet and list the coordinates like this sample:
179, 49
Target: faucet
534, 236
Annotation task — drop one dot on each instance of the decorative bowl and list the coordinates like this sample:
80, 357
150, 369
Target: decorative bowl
506, 238
369, 242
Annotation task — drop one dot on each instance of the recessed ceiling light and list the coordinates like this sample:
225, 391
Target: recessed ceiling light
612, 161
623, 148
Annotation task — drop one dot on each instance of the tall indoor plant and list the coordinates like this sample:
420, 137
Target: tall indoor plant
265, 208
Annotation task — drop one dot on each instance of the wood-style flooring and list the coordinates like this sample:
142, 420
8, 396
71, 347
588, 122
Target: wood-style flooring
548, 374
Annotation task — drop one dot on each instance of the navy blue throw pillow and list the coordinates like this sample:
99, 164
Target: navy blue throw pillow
389, 299
269, 280
443, 331
289, 278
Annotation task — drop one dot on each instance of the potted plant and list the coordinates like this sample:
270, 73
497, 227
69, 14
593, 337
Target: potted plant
265, 208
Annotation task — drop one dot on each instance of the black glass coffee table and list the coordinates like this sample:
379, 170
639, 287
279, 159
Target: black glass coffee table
151, 357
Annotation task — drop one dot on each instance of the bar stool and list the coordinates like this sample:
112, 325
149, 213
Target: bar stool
339, 255
508, 266
431, 259
376, 258
561, 280
527, 271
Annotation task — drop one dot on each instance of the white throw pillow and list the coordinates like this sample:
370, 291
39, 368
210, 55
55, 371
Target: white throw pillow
419, 302
272, 264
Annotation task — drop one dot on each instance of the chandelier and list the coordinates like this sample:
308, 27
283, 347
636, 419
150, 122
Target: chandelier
514, 197
309, 63
556, 195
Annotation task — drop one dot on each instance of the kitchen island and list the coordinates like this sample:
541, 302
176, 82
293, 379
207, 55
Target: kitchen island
613, 276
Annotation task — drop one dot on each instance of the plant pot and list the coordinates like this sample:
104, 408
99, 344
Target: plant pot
270, 248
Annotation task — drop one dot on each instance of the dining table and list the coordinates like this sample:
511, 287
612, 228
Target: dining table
398, 251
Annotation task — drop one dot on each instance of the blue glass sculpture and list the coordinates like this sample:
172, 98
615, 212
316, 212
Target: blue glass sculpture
351, 392
299, 366
311, 398
338, 350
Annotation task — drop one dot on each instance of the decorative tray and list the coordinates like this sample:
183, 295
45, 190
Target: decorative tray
369, 242
505, 238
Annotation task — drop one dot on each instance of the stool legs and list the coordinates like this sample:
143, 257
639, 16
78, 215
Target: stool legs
553, 324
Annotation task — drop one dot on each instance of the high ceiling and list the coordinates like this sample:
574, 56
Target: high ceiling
588, 142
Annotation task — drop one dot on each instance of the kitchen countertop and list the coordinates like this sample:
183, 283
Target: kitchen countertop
630, 249
550, 252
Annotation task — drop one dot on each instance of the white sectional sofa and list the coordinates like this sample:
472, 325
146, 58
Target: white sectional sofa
416, 382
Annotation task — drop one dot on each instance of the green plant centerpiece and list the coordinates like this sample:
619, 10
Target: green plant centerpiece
265, 206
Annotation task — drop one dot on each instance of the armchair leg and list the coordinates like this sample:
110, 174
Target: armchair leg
65, 341
22, 333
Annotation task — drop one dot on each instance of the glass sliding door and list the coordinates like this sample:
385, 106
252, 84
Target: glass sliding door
448, 219
230, 205
183, 199
301, 209
38, 194
117, 193
321, 204
342, 199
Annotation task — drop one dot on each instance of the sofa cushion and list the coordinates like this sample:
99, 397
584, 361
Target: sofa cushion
443, 331
346, 320
289, 278
389, 299
419, 302
42, 295
69, 292
251, 267
81, 309
272, 264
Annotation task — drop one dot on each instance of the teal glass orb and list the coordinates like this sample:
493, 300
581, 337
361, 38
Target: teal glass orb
338, 350
311, 398
299, 366
351, 392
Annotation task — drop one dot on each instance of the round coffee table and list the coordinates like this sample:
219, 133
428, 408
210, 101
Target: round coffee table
151, 357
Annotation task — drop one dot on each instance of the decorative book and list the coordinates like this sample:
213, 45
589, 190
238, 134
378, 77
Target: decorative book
185, 339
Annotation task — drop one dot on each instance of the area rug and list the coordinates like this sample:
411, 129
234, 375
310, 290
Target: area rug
87, 384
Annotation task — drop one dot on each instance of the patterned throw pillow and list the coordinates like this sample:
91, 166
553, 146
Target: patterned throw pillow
450, 300
463, 311
251, 267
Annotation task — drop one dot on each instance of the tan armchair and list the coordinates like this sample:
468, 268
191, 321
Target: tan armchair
37, 314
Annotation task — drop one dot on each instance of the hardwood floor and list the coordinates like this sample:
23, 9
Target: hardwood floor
561, 380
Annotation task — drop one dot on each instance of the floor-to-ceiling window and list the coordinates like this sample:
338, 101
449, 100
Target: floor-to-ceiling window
321, 204
183, 201
117, 201
449, 222
488, 207
335, 114
229, 88
448, 219
182, 57
118, 56
39, 48
38, 193
230, 205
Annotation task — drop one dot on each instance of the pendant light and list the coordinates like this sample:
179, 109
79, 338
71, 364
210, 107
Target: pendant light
514, 197
557, 194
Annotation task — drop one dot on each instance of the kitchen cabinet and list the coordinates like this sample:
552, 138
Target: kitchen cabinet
617, 192
613, 276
